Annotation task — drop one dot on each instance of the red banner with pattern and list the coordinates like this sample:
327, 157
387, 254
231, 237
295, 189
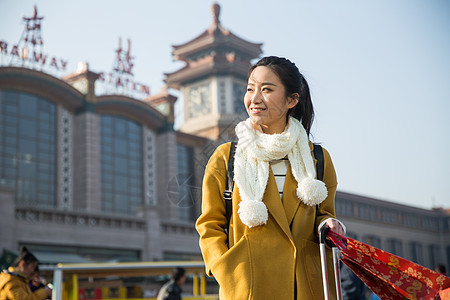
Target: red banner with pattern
390, 276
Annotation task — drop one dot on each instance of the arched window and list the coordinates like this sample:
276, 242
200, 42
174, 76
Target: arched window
121, 165
28, 148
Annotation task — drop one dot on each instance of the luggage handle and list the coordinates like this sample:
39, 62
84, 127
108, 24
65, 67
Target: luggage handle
323, 233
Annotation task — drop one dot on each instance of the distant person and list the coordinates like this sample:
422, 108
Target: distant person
36, 281
441, 269
172, 289
14, 282
352, 287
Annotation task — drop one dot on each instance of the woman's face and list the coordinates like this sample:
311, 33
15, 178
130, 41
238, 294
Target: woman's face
266, 101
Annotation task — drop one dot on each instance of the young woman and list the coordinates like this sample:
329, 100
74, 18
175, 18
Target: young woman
14, 282
278, 205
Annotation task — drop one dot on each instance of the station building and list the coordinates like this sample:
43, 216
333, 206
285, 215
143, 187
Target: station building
87, 177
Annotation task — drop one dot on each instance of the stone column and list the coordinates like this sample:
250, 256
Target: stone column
150, 174
166, 164
65, 159
153, 248
87, 162
86, 141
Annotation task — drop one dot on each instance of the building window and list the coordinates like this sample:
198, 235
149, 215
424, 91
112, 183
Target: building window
435, 255
373, 241
395, 247
121, 165
28, 148
238, 98
411, 220
368, 212
416, 252
429, 223
344, 208
188, 194
222, 94
389, 216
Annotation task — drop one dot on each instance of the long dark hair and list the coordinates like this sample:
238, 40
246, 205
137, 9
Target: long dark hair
26, 256
293, 82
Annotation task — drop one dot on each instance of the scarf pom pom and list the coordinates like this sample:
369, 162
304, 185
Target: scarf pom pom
253, 213
312, 191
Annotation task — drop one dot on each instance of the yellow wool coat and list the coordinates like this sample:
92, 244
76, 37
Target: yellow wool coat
13, 287
278, 260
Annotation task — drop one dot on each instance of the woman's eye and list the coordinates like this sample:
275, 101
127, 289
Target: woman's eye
249, 90
266, 90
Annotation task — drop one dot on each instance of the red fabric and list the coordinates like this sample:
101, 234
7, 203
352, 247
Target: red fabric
390, 276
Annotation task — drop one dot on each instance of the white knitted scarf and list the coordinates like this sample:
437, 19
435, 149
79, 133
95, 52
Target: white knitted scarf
254, 152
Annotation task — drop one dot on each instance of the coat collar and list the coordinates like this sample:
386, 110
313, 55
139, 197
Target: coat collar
15, 272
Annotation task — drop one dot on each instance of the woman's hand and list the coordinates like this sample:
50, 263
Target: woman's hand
335, 226
49, 292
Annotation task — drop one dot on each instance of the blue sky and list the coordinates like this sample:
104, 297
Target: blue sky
379, 71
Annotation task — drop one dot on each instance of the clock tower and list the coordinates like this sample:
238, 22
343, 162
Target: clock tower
213, 81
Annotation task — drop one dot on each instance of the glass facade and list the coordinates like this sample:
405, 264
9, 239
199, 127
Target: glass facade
188, 193
28, 148
121, 165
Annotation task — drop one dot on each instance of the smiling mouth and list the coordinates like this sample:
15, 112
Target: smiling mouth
257, 109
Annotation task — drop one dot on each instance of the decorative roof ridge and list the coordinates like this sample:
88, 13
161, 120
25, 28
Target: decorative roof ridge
215, 30
163, 94
215, 25
124, 99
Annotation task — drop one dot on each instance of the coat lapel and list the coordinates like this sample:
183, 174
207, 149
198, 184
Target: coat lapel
273, 202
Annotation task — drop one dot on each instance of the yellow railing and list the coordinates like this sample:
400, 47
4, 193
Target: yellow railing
68, 289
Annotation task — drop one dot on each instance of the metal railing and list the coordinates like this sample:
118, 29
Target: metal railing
66, 277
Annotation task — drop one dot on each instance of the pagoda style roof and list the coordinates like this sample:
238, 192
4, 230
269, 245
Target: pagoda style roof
211, 65
217, 50
216, 36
